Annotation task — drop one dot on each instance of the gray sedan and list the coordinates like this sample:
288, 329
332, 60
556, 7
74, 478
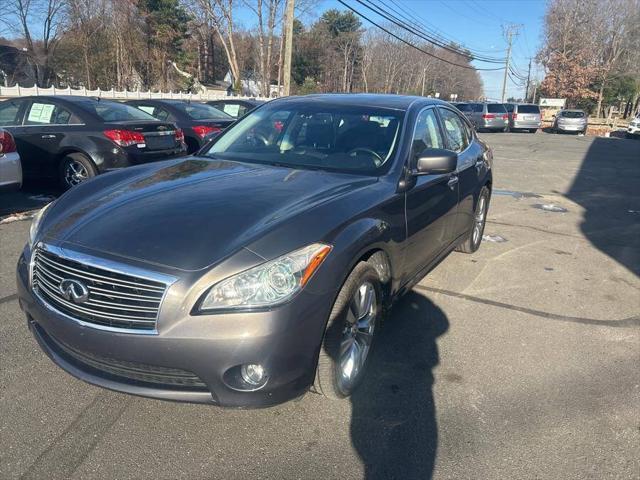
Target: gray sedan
264, 265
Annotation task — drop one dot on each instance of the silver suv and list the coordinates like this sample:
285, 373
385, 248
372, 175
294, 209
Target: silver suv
486, 116
524, 116
570, 121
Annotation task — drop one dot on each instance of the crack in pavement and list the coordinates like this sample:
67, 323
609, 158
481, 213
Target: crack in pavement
67, 452
622, 323
8, 298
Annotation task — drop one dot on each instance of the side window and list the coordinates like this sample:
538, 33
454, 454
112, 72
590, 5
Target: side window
42, 113
477, 108
161, 114
455, 130
427, 133
232, 109
9, 113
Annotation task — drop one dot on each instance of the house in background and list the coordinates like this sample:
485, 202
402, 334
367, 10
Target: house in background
16, 67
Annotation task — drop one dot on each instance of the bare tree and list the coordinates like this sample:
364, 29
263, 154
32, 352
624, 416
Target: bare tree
218, 16
22, 14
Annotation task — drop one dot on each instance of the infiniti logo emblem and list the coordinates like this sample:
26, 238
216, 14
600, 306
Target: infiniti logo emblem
74, 291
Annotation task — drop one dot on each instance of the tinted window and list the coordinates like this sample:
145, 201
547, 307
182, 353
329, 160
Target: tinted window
427, 133
305, 135
510, 107
45, 113
465, 107
9, 112
496, 108
528, 109
201, 111
113, 111
455, 130
477, 108
572, 114
155, 112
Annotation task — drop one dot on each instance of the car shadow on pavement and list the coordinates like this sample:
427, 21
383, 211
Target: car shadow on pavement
393, 423
607, 186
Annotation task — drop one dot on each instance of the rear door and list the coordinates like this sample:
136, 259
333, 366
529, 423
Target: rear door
46, 124
431, 203
529, 113
460, 139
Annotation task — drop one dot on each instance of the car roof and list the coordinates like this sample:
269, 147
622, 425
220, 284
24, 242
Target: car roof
397, 102
69, 98
572, 110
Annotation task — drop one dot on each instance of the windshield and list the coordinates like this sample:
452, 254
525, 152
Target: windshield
573, 114
201, 111
347, 139
115, 112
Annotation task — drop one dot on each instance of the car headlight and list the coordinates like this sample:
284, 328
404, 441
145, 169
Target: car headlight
269, 284
35, 223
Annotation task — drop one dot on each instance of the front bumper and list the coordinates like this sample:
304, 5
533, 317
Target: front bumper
199, 351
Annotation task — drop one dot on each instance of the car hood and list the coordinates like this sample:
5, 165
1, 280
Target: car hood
189, 214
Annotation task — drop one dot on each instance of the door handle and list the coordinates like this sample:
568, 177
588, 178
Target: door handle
452, 181
47, 136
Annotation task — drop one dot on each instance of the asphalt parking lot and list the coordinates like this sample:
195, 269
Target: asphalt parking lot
521, 361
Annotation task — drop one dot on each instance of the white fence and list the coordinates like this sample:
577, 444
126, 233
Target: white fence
19, 91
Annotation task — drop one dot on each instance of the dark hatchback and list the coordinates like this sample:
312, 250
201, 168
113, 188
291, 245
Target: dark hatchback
245, 275
199, 121
75, 138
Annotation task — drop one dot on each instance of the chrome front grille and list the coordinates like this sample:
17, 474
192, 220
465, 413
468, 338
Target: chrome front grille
115, 300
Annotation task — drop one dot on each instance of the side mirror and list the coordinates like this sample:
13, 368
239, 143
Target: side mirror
436, 161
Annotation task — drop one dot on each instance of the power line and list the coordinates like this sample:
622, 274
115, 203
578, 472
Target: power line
415, 19
469, 67
396, 21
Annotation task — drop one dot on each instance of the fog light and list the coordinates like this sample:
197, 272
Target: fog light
252, 374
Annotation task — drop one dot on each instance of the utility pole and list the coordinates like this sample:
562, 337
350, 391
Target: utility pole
288, 46
424, 77
535, 89
509, 32
526, 92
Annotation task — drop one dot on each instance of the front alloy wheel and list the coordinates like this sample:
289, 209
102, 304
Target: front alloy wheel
357, 335
350, 333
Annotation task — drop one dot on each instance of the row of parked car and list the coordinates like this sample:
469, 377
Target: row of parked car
70, 139
519, 117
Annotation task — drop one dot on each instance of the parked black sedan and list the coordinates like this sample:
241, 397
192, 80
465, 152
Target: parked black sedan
264, 265
75, 138
198, 121
236, 107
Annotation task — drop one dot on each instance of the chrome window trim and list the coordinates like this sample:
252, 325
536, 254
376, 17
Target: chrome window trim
104, 264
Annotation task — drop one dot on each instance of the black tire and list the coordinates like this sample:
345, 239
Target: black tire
472, 243
192, 146
79, 163
329, 380
533, 130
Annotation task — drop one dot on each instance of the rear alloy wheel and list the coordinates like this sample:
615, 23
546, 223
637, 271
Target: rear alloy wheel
76, 168
349, 335
474, 239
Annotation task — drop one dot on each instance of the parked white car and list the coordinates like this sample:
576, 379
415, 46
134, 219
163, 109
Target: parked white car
633, 130
10, 166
